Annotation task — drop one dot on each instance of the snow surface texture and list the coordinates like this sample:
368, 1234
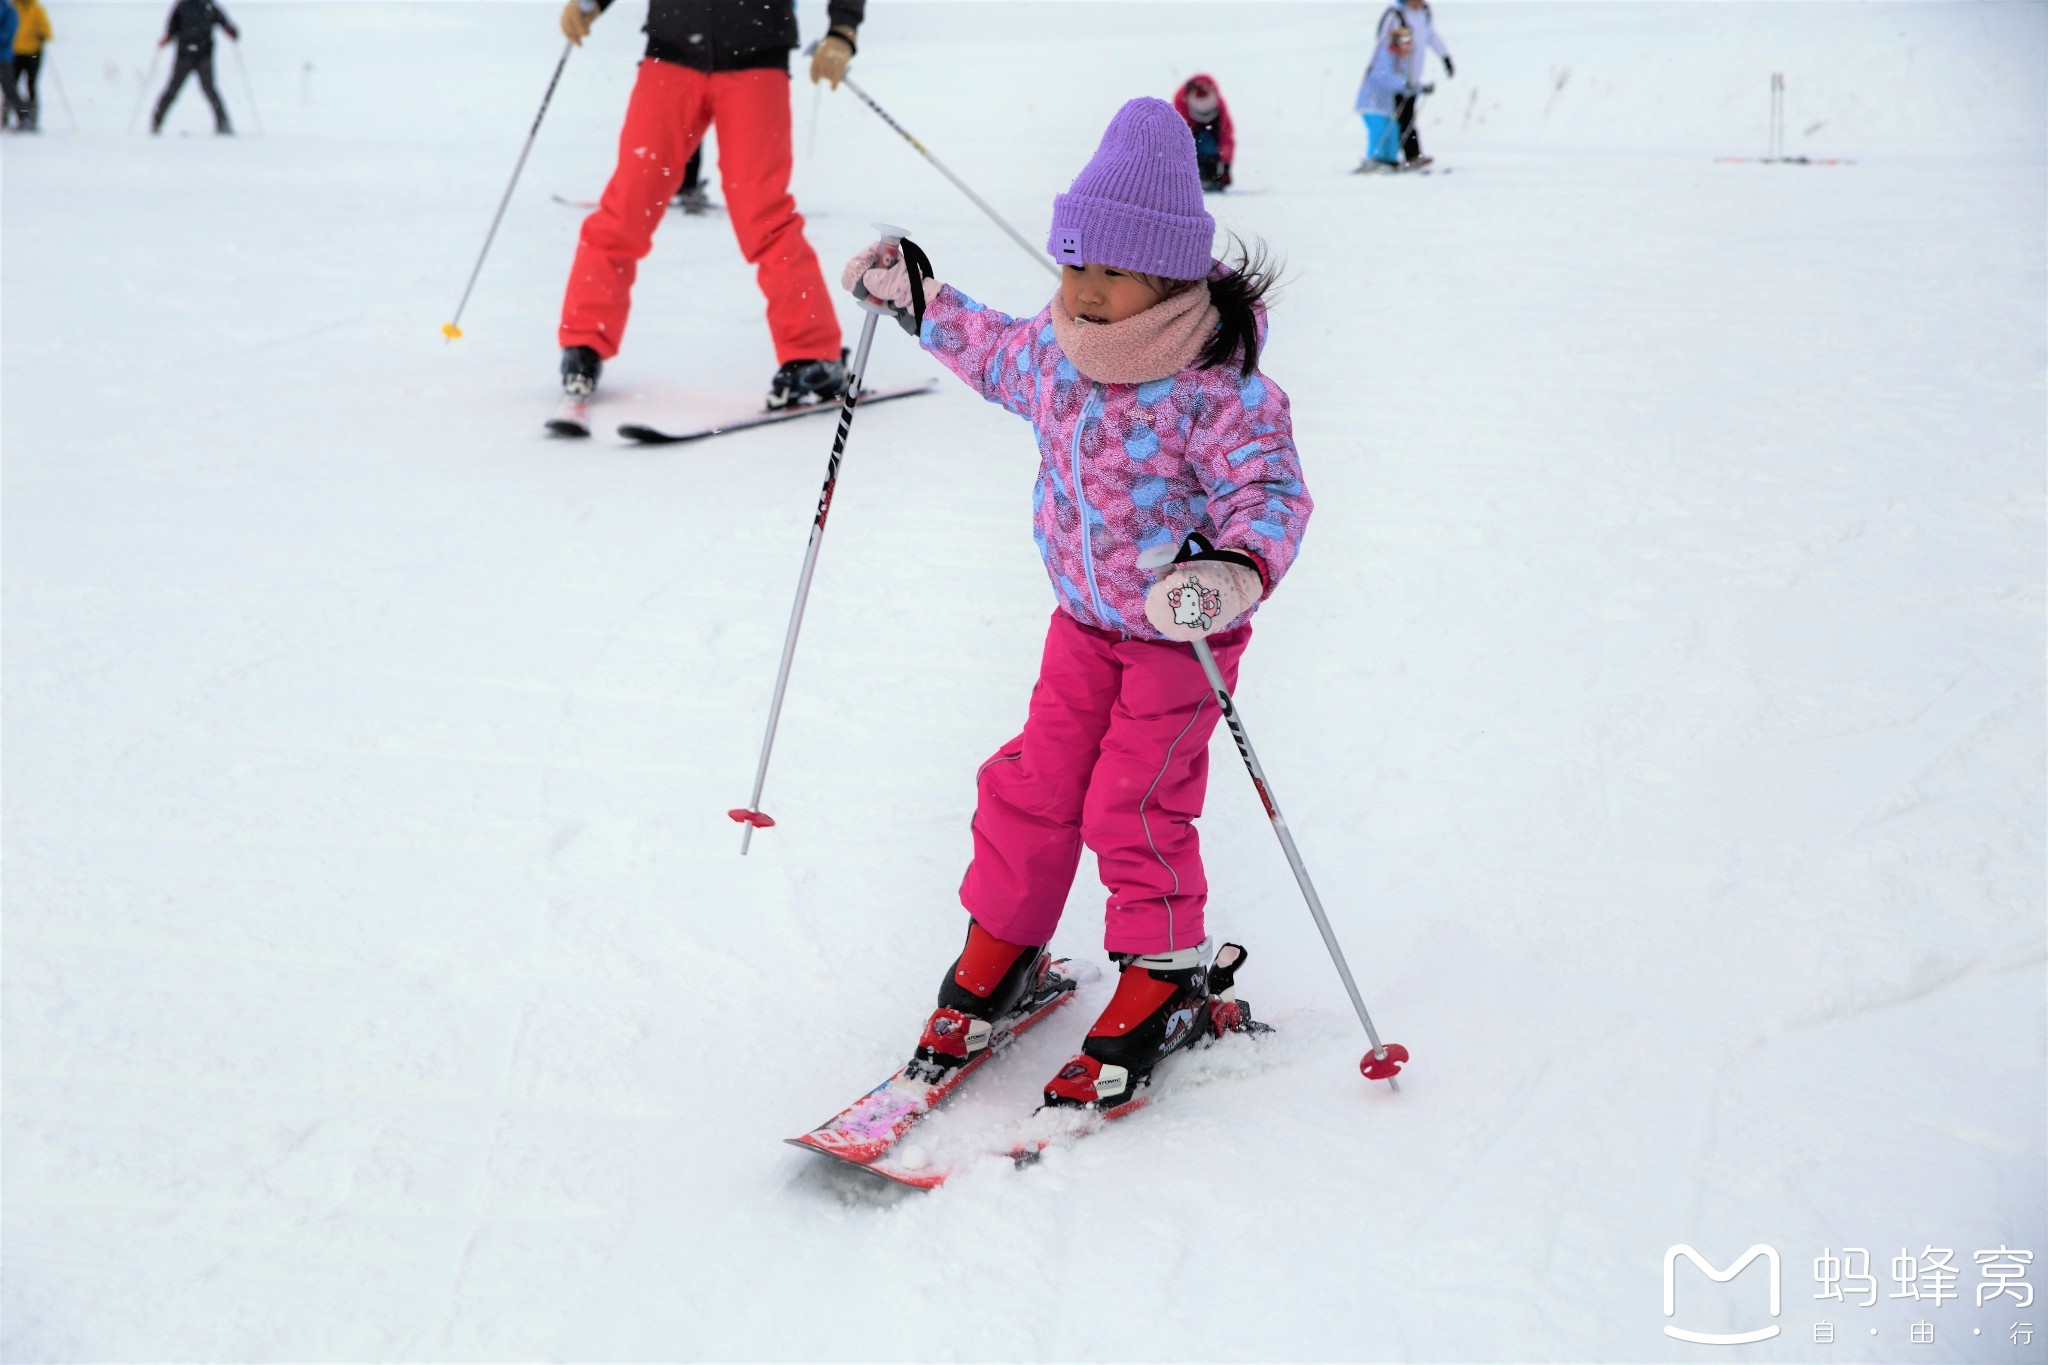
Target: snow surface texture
1658, 703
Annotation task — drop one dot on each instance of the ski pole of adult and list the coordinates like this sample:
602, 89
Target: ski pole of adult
1035, 253
50, 70
142, 93
751, 815
255, 114
452, 329
1385, 1059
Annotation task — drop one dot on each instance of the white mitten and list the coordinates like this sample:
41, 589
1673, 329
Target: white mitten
1198, 597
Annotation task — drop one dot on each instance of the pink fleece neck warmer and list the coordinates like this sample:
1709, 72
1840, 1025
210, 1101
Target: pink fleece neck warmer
1155, 344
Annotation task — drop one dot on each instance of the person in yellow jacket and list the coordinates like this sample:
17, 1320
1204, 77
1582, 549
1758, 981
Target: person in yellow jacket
29, 37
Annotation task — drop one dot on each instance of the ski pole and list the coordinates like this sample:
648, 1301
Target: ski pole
51, 68
255, 114
1385, 1059
142, 94
751, 815
1035, 253
452, 328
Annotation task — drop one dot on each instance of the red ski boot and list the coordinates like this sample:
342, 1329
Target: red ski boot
990, 979
1163, 1003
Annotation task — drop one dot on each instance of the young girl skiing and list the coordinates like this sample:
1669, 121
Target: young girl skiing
1384, 85
1141, 379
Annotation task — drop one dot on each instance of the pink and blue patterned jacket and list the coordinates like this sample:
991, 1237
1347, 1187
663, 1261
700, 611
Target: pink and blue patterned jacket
1126, 467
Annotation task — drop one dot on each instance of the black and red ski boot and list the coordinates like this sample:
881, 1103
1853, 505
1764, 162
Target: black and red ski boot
989, 980
1163, 1003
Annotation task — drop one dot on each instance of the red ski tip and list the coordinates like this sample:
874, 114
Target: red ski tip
1378, 1068
757, 819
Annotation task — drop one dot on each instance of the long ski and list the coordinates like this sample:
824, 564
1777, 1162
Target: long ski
572, 417
696, 208
652, 436
865, 1130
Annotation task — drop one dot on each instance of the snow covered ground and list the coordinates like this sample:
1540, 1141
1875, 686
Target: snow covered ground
1658, 701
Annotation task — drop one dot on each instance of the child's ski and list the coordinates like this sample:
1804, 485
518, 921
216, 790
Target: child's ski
1370, 167
1048, 1127
866, 1129
651, 436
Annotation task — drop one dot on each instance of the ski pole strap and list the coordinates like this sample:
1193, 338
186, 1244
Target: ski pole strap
919, 269
1196, 546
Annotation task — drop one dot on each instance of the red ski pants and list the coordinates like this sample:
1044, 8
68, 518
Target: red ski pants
665, 120
1114, 755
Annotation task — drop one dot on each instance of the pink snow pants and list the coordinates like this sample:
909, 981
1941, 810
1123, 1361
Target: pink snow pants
1114, 755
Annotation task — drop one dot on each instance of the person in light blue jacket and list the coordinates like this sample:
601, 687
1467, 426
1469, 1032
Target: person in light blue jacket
1386, 80
10, 112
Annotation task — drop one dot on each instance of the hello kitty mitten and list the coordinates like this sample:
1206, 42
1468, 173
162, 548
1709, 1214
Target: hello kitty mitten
1198, 596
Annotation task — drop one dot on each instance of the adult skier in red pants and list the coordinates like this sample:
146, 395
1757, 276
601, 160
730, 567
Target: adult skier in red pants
722, 62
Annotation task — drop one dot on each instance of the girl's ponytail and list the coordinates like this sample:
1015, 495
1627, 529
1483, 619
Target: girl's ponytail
1236, 295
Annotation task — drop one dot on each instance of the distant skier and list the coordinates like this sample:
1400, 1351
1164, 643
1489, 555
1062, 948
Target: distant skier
191, 26
723, 64
690, 196
1386, 81
1421, 24
27, 49
1208, 118
1154, 423
10, 24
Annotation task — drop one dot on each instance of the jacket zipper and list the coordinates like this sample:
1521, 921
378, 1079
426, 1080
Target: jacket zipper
1081, 502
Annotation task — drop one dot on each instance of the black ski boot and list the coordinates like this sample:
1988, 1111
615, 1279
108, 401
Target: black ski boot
988, 980
801, 383
580, 368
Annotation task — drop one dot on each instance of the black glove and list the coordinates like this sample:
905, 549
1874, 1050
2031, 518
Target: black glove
1449, 70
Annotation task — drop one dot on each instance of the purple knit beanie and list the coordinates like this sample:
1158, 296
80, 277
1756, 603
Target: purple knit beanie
1138, 204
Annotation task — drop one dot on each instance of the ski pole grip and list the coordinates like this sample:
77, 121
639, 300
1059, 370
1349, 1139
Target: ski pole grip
917, 266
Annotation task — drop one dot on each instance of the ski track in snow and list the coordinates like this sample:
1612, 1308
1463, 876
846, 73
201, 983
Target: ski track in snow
1658, 703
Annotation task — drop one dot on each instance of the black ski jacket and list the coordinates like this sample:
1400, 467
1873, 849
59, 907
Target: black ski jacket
192, 23
728, 35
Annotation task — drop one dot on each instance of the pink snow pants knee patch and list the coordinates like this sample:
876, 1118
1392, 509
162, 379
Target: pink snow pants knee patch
1114, 755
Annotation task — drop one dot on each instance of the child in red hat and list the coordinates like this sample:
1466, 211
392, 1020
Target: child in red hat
1208, 118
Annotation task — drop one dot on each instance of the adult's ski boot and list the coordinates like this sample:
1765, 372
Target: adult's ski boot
801, 383
581, 366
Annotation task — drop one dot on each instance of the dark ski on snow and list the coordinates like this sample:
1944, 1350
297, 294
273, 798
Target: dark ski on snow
651, 436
